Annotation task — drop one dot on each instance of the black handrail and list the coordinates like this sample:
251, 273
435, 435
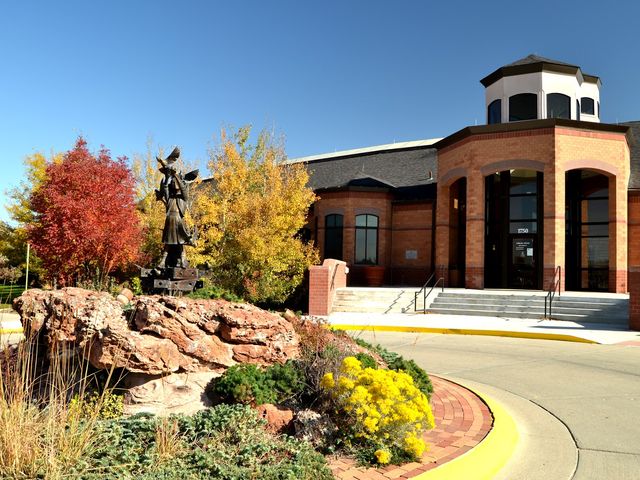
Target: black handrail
425, 295
422, 289
552, 291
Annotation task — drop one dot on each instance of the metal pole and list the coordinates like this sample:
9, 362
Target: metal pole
26, 280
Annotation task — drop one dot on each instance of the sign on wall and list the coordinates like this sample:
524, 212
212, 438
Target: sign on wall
411, 254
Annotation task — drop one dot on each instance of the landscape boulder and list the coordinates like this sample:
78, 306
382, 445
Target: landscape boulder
157, 336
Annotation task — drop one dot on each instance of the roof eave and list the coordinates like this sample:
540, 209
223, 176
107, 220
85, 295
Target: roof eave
528, 125
534, 68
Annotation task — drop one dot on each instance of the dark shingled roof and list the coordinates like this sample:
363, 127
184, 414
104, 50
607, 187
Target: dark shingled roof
538, 59
633, 137
396, 169
531, 64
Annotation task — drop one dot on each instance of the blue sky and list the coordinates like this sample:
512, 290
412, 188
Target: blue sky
328, 75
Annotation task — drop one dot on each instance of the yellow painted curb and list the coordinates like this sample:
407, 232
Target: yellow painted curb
465, 331
487, 458
8, 331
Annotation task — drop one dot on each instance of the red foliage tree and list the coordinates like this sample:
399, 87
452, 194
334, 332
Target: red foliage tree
85, 218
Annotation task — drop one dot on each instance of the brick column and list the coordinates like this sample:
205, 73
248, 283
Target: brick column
474, 249
553, 245
618, 243
323, 281
634, 260
441, 263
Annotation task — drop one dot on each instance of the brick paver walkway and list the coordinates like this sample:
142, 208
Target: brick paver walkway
462, 421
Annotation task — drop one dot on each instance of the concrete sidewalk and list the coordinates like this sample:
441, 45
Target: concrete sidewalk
477, 325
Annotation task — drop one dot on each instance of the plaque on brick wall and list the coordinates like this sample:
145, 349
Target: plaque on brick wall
411, 254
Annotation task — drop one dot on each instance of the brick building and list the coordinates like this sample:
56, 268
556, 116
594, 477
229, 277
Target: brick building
543, 191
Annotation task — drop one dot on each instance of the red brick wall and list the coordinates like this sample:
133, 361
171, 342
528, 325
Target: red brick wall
634, 260
401, 227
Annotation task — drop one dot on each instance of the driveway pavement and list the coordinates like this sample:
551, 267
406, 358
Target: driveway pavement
591, 390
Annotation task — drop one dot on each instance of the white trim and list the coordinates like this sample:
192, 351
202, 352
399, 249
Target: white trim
376, 148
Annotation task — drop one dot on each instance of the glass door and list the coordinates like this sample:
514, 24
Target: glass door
522, 265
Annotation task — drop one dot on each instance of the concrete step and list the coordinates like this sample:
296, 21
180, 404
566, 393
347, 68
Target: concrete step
374, 300
604, 310
493, 306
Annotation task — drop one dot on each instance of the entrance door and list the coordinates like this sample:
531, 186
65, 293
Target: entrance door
522, 266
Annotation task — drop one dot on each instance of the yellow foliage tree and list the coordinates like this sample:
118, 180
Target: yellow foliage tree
249, 215
19, 207
150, 211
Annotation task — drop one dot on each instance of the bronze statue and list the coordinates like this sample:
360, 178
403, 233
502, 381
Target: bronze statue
174, 193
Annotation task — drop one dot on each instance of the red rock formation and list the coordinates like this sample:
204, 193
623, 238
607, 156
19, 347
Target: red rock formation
159, 334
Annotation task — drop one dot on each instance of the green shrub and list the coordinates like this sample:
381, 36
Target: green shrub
287, 379
248, 384
366, 360
224, 442
215, 292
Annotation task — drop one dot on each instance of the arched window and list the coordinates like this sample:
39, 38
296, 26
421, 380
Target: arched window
333, 236
588, 106
523, 106
366, 240
558, 106
587, 230
494, 112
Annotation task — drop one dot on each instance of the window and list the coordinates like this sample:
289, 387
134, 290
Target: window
366, 240
577, 109
588, 107
333, 236
598, 109
558, 106
523, 106
587, 230
494, 112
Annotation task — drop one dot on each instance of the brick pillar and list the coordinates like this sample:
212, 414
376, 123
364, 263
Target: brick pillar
474, 249
634, 260
323, 281
618, 243
553, 245
441, 263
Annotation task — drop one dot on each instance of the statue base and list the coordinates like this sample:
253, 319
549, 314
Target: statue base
171, 281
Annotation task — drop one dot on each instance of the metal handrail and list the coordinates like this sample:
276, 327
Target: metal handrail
552, 291
426, 294
333, 277
422, 289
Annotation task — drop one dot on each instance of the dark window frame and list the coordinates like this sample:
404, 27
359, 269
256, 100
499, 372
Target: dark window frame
585, 103
492, 111
520, 98
368, 230
554, 97
334, 233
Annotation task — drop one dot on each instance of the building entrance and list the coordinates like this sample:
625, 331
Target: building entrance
522, 265
513, 229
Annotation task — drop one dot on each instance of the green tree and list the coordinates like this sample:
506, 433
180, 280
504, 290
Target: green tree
249, 217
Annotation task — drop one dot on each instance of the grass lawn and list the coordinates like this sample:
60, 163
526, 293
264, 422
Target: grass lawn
8, 293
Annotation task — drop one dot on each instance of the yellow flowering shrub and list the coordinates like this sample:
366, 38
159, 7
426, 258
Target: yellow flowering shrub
384, 408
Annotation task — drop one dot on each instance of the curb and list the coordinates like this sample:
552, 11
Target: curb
465, 331
9, 331
487, 458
